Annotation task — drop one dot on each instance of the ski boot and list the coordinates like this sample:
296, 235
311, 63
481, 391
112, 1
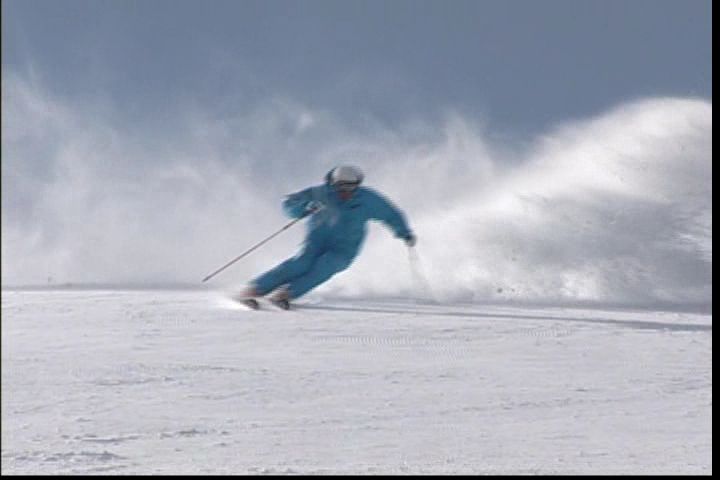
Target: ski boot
247, 298
280, 298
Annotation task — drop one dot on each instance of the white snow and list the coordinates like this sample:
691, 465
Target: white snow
185, 382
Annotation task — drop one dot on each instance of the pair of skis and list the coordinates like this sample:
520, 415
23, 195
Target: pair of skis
254, 304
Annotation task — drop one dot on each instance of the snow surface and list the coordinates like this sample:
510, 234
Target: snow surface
123, 381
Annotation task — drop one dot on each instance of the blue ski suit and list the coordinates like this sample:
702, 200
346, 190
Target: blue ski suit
334, 236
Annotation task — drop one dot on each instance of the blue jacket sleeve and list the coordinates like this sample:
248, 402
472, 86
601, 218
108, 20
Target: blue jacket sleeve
385, 211
295, 204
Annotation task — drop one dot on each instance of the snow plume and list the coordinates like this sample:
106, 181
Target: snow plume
613, 209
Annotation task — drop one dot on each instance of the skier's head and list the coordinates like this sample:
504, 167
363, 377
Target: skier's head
344, 179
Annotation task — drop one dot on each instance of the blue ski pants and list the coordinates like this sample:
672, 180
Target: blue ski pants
303, 272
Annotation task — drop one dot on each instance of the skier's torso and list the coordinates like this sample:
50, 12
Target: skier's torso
342, 225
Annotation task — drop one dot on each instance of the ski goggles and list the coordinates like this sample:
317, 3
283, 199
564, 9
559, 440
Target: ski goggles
345, 187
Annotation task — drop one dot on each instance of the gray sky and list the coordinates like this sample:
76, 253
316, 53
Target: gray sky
540, 149
524, 64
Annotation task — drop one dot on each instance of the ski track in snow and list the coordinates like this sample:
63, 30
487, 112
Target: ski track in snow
186, 382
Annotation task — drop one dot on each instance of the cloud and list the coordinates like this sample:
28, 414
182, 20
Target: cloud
615, 208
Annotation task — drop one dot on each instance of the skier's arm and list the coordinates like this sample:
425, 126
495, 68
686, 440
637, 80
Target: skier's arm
386, 212
299, 204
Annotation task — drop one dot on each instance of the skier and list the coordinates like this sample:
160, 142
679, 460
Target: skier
338, 212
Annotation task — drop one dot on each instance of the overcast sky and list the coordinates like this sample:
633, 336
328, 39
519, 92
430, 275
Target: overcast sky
523, 63
541, 149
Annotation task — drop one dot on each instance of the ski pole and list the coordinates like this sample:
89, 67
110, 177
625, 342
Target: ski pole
251, 249
419, 274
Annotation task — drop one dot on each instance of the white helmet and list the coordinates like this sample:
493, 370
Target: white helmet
345, 176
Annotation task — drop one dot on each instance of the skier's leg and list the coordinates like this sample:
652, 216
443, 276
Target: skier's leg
283, 273
324, 267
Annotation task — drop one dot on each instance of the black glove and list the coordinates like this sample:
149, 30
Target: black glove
410, 240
